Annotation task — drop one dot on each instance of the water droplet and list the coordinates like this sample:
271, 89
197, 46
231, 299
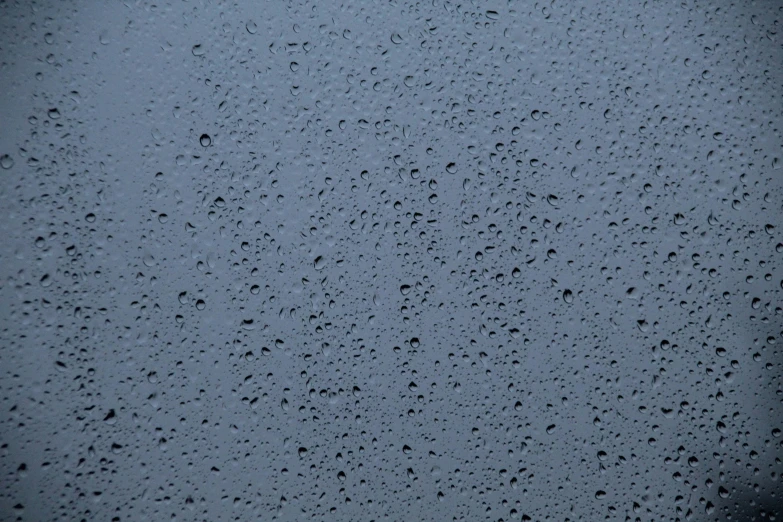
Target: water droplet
6, 161
205, 140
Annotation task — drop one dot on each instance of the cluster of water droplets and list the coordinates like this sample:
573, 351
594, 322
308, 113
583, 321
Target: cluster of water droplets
391, 261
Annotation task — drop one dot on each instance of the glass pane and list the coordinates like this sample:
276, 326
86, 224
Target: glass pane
391, 261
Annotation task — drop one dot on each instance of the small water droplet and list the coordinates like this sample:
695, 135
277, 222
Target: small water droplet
6, 161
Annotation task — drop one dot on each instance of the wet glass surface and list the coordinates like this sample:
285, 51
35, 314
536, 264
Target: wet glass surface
391, 261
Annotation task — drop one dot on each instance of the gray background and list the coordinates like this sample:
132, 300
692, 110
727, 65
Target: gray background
431, 261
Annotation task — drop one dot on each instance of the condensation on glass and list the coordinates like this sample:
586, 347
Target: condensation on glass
391, 261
